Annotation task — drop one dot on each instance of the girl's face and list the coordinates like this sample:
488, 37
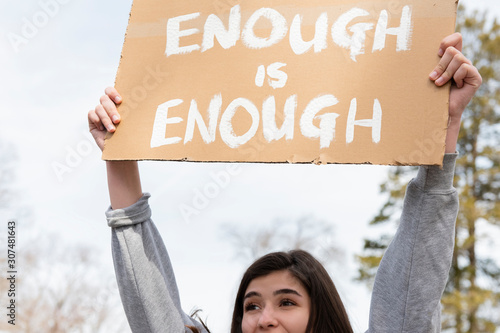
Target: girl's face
275, 303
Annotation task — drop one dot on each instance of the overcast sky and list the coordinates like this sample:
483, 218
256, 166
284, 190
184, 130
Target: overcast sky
48, 85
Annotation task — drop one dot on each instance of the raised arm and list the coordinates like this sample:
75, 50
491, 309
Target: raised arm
466, 81
412, 275
124, 182
143, 270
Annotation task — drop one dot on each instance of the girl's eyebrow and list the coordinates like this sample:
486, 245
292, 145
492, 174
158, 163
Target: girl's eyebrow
251, 294
276, 292
286, 291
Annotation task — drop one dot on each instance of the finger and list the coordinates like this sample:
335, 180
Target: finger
113, 94
467, 74
449, 72
443, 63
460, 75
94, 121
104, 118
453, 40
110, 108
448, 64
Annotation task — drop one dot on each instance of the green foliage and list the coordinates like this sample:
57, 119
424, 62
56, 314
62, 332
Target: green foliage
471, 302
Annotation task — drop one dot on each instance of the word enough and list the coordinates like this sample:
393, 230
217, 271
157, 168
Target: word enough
343, 34
325, 132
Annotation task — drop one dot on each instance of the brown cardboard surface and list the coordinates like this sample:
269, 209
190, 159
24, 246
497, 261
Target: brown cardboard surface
344, 75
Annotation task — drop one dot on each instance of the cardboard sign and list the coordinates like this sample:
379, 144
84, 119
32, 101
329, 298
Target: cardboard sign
320, 81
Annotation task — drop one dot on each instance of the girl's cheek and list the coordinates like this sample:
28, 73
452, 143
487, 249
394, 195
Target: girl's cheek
245, 324
249, 322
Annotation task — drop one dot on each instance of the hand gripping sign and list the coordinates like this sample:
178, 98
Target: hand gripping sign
283, 81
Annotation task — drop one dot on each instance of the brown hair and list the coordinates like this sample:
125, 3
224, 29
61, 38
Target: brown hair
327, 312
195, 315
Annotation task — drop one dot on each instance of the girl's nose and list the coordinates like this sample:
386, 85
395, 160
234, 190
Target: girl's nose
268, 318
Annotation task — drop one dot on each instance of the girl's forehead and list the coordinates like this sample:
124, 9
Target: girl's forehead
275, 281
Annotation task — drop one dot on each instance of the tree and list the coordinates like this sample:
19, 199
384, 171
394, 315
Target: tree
62, 288
58, 287
471, 302
306, 233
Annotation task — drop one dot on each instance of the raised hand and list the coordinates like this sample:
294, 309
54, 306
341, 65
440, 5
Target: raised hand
466, 81
104, 117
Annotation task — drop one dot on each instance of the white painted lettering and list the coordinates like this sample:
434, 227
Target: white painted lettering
280, 77
194, 116
403, 32
356, 42
271, 131
278, 32
160, 125
298, 45
375, 123
260, 76
326, 130
174, 33
226, 128
214, 28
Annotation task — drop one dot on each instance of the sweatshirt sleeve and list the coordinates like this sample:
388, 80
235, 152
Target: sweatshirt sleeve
413, 272
144, 273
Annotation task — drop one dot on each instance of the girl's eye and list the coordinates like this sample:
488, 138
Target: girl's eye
287, 302
251, 306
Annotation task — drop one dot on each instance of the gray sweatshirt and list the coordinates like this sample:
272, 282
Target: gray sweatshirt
408, 287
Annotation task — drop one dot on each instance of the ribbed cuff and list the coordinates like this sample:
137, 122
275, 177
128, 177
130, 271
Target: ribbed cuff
436, 178
138, 212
